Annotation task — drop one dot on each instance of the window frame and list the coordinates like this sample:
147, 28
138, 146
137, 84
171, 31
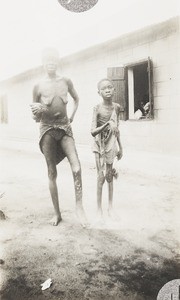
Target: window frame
115, 74
150, 84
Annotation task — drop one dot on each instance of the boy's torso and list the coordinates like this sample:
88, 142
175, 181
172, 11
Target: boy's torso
104, 113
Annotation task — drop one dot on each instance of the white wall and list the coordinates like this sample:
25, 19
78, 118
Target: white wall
160, 134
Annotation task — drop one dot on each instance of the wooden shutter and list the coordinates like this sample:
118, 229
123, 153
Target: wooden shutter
150, 82
118, 76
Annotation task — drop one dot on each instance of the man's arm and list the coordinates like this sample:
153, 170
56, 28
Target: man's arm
75, 97
35, 94
36, 107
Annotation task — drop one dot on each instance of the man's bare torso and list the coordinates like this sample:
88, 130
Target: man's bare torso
53, 94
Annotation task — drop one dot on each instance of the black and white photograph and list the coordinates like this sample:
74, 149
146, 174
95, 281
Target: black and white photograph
90, 150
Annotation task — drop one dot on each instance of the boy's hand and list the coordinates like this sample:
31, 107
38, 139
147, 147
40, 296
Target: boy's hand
114, 128
119, 154
70, 120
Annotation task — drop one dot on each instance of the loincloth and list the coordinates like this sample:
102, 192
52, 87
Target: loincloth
107, 154
57, 133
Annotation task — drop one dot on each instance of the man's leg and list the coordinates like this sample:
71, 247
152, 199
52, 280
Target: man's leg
49, 150
100, 182
68, 146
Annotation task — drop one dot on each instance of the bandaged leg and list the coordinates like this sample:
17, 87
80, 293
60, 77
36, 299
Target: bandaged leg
109, 174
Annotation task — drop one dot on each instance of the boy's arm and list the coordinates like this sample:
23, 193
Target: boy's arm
94, 129
75, 97
120, 152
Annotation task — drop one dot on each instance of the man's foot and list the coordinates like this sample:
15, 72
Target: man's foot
56, 220
81, 215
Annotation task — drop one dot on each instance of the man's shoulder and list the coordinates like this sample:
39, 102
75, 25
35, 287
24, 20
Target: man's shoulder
68, 81
39, 83
60, 78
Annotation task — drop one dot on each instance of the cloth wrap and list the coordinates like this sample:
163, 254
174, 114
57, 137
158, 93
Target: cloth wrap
59, 132
105, 143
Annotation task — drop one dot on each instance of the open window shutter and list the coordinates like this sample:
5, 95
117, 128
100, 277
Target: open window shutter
150, 82
118, 77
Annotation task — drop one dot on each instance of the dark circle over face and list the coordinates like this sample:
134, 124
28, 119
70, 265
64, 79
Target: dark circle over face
78, 5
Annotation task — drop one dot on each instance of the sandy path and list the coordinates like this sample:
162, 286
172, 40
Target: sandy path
131, 258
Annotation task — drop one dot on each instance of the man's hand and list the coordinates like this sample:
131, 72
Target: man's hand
37, 108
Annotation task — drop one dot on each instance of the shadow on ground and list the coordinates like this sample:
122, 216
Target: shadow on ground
85, 264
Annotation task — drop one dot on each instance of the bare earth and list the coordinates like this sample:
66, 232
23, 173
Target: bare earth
130, 258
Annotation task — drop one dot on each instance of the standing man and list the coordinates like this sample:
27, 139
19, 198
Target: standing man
56, 138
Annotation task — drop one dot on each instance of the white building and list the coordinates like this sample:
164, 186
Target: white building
142, 64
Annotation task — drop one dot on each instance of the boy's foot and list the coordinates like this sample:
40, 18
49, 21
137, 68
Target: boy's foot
99, 220
81, 215
100, 217
99, 214
56, 220
112, 215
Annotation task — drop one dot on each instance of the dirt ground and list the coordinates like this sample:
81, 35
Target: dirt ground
130, 258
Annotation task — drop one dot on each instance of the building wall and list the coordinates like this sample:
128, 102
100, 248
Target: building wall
161, 44
19, 96
163, 47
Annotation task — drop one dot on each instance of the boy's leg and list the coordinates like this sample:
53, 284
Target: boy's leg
49, 150
100, 182
109, 179
68, 147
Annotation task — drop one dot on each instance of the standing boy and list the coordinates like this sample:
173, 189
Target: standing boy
107, 143
56, 138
